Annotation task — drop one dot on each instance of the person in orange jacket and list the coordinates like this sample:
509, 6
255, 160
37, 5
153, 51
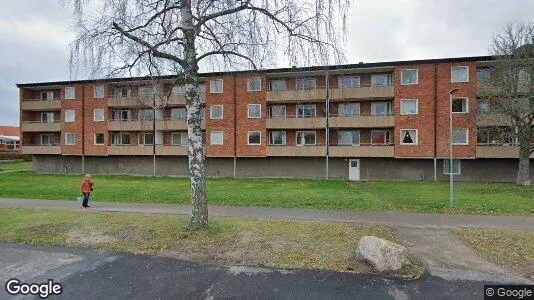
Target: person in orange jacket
86, 187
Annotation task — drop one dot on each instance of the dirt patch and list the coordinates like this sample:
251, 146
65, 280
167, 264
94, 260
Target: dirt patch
76, 237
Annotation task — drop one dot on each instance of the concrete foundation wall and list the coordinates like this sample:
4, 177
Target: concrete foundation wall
488, 170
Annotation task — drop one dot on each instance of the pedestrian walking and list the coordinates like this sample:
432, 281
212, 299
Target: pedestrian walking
86, 187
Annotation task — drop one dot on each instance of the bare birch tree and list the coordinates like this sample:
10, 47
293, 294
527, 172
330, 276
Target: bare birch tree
510, 88
115, 37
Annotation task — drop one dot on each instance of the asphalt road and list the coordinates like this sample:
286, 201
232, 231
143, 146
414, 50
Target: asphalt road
86, 274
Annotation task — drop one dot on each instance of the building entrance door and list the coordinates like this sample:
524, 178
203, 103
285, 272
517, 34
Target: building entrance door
354, 169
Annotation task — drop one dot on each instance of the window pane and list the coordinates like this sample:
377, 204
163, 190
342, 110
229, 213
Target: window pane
125, 138
98, 91
216, 86
178, 114
459, 105
378, 137
99, 138
408, 136
254, 138
216, 138
69, 138
216, 111
459, 136
408, 107
254, 110
409, 76
178, 90
277, 138
483, 75
305, 83
455, 166
459, 74
381, 80
483, 106
306, 111
349, 82
69, 116
277, 111
277, 85
349, 109
69, 93
380, 108
306, 138
254, 84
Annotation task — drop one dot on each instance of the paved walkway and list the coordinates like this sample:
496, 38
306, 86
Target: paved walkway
394, 219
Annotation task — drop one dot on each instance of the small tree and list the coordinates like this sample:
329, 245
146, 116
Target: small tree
510, 88
120, 36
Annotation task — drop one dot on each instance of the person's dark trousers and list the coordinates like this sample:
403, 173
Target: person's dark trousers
85, 199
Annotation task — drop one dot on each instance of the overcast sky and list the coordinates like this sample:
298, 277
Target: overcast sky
35, 34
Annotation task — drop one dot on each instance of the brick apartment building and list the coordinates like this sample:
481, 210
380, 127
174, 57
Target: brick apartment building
387, 120
9, 138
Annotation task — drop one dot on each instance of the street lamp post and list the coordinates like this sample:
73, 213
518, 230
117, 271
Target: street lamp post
451, 176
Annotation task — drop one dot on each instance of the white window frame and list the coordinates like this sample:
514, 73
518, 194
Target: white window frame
466, 136
284, 139
67, 93
94, 139
457, 67
351, 143
306, 105
178, 109
73, 139
248, 138
47, 114
50, 137
95, 94
73, 115
48, 93
103, 114
182, 134
222, 138
389, 108
117, 92
277, 117
416, 107
282, 80
340, 82
143, 135
356, 104
249, 80
401, 137
211, 112
388, 76
416, 77
466, 105
120, 135
303, 132
248, 111
212, 90
306, 78
451, 168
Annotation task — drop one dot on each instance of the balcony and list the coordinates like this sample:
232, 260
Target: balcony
168, 125
171, 150
296, 151
363, 92
40, 105
362, 121
130, 150
131, 125
179, 100
297, 95
42, 149
291, 122
494, 119
363, 150
497, 151
37, 126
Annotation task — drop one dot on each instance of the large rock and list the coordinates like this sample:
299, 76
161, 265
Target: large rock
383, 255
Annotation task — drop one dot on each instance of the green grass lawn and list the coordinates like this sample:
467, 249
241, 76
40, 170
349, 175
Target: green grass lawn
15, 166
412, 196
228, 241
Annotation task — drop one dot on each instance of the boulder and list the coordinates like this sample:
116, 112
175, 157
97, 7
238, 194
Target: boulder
383, 255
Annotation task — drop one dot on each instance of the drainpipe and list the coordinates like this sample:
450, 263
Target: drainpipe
435, 121
83, 129
327, 135
235, 126
154, 134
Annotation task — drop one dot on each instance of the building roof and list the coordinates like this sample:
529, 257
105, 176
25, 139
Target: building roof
278, 70
10, 131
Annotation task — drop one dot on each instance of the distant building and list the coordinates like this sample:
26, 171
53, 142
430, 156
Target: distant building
386, 120
9, 138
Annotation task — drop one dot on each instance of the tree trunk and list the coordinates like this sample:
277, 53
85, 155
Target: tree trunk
523, 173
199, 203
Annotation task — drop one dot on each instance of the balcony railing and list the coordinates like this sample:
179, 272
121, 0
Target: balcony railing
296, 122
41, 149
304, 150
144, 125
363, 150
180, 150
40, 105
493, 119
147, 101
310, 95
130, 150
362, 121
38, 126
370, 92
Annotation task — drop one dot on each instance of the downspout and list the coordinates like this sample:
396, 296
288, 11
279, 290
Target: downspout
154, 134
327, 135
435, 121
235, 126
83, 129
